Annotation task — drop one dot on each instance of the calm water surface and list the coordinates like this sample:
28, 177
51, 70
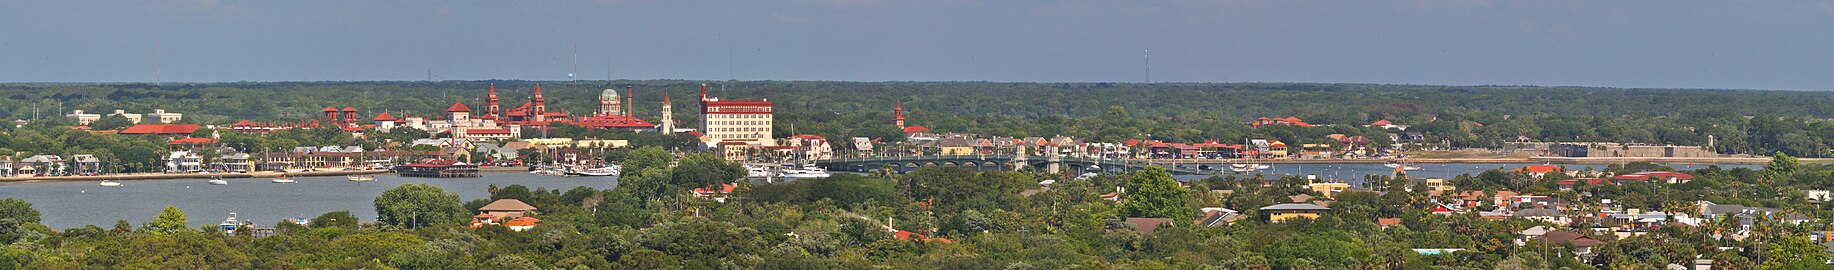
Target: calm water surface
75, 204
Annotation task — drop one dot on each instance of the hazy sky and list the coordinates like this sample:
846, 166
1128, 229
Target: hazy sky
1691, 44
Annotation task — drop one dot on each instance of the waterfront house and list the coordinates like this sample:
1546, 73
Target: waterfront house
277, 161
183, 162
506, 208
1281, 212
235, 162
6, 166
492, 152
85, 165
43, 164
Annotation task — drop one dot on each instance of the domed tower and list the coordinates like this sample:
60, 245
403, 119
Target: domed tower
609, 104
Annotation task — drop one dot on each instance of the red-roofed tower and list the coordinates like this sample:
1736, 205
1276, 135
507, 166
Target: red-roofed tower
541, 106
491, 109
898, 115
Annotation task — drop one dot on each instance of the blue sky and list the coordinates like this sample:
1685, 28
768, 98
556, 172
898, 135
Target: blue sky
1687, 44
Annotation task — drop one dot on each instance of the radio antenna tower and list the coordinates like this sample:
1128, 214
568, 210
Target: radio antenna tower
570, 76
1148, 54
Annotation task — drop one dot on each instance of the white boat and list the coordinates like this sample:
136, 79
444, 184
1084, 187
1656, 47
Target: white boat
1242, 168
1400, 165
107, 183
360, 178
757, 172
281, 180
229, 225
601, 171
218, 181
807, 171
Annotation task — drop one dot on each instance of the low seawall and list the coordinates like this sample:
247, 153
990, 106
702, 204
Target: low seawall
157, 176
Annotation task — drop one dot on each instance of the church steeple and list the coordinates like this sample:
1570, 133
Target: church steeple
668, 115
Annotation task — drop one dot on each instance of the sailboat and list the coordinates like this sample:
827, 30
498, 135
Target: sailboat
360, 178
1400, 164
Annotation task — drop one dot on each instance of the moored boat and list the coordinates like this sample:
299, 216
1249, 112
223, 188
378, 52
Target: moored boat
107, 183
360, 178
806, 171
218, 181
600, 171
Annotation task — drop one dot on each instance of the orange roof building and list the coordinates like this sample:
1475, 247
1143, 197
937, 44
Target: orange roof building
161, 129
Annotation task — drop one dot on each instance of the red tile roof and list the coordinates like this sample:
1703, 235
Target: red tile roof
384, 117
1382, 122
724, 188
331, 109
350, 109
915, 129
1589, 181
522, 221
192, 141
458, 107
162, 129
613, 121
487, 131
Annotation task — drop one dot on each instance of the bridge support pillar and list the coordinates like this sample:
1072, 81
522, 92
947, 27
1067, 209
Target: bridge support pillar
1056, 165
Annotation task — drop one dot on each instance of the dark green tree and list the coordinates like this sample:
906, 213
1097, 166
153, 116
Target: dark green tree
417, 205
335, 219
646, 158
705, 170
1153, 193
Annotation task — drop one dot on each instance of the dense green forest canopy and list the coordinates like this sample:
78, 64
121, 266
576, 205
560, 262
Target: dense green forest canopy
999, 219
1739, 121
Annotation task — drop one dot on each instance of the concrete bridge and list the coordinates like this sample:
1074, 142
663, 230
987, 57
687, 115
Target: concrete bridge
1053, 164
